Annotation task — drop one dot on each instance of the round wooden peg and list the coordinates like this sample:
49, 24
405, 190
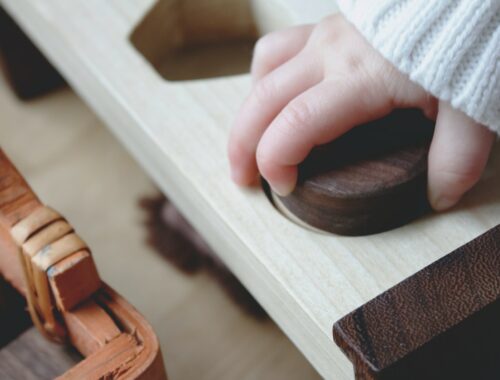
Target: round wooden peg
372, 179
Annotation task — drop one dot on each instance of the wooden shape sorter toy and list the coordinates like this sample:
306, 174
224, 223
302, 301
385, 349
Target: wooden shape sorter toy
117, 55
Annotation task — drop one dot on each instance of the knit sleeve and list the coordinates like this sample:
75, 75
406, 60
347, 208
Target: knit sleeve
450, 47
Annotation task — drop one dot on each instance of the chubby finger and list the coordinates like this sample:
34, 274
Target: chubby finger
276, 48
266, 100
316, 117
458, 155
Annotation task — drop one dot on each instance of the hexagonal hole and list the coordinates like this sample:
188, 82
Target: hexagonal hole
196, 39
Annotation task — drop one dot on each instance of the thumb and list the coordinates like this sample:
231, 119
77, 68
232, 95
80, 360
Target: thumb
458, 155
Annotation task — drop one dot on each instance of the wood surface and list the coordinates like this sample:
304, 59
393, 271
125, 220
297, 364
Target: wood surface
236, 346
72, 279
372, 179
441, 323
178, 132
186, 39
88, 330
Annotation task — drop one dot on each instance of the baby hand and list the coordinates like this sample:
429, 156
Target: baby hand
314, 83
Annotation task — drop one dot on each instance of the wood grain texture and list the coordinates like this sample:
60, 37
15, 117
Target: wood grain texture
441, 323
114, 361
91, 328
178, 132
73, 279
235, 346
372, 179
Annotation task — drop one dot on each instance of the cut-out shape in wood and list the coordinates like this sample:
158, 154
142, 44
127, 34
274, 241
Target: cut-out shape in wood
371, 179
196, 39
441, 323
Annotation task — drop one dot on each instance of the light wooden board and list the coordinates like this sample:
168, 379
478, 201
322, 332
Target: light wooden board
178, 131
75, 165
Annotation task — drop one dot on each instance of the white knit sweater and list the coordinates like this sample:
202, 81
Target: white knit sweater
450, 47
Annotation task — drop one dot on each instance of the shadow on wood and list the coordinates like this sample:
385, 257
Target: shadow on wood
194, 39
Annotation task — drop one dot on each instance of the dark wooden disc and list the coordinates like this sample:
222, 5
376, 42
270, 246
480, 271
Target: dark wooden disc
372, 179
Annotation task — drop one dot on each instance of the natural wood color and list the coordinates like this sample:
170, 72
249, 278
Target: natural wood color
48, 235
17, 201
33, 245
44, 301
93, 169
14, 275
441, 323
50, 255
90, 327
57, 251
145, 363
73, 279
49, 245
114, 361
149, 364
178, 132
41, 217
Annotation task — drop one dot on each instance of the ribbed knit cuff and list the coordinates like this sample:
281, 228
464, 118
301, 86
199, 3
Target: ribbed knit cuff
450, 47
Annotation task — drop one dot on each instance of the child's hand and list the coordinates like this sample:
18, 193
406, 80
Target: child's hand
314, 83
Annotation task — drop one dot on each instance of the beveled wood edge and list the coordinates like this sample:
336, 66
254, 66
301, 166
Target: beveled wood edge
146, 363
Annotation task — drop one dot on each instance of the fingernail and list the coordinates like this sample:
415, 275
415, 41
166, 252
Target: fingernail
443, 203
283, 189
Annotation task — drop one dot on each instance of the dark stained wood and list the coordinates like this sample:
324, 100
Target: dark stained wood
441, 323
32, 357
371, 179
27, 70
